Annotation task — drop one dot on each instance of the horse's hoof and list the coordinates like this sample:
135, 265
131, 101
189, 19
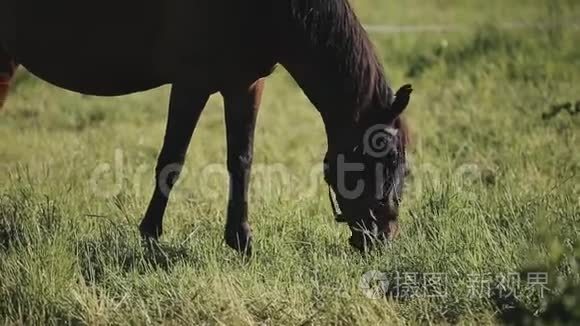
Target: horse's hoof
239, 238
149, 232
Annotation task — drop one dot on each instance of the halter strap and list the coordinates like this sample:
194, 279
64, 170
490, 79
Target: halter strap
338, 216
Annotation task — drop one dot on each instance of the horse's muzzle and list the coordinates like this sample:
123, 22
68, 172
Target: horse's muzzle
368, 239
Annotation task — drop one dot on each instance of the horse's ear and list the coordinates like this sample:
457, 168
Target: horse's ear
402, 98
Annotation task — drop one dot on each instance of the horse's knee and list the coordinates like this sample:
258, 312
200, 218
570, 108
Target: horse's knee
239, 166
166, 173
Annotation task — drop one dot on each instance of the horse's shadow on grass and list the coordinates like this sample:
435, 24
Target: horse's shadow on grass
114, 248
98, 258
19, 229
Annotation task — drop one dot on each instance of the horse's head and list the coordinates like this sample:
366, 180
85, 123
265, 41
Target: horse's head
366, 173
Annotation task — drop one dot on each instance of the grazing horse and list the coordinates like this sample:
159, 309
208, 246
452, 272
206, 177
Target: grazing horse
201, 47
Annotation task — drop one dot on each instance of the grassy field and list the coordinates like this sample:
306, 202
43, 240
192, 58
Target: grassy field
495, 192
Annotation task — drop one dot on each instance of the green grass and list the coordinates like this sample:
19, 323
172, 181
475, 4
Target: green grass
495, 189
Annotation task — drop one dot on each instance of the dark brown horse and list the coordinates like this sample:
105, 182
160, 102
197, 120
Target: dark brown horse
205, 46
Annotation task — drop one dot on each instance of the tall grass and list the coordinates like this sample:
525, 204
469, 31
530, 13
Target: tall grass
494, 192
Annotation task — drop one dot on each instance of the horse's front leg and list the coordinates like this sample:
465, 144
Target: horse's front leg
185, 107
241, 107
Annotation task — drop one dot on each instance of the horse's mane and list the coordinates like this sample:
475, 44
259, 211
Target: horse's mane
336, 38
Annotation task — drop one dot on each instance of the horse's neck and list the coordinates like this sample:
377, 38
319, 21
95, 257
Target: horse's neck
339, 95
338, 109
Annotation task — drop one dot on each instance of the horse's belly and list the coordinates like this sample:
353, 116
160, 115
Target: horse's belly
97, 47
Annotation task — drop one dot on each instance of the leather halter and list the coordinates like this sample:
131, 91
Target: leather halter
338, 216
